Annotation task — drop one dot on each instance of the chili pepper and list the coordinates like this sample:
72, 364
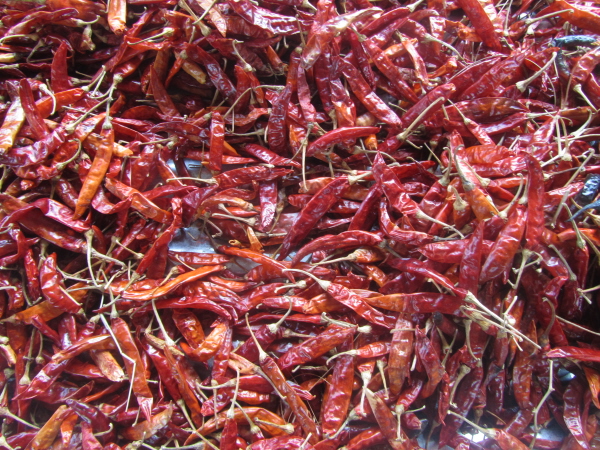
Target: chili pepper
209, 347
589, 191
148, 294
215, 73
53, 288
390, 70
573, 396
314, 210
505, 247
274, 265
367, 96
366, 439
133, 365
150, 427
482, 23
387, 422
392, 188
268, 156
95, 417
315, 347
423, 302
400, 354
46, 435
95, 175
471, 262
13, 120
394, 232
273, 374
574, 40
464, 400
501, 73
337, 136
325, 32
343, 240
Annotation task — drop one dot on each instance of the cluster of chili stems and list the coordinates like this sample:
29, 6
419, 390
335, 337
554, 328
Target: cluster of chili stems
389, 213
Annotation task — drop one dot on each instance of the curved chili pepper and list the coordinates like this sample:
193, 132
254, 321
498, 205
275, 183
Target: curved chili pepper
96, 174
400, 354
53, 288
482, 23
315, 347
167, 288
94, 417
505, 247
337, 136
367, 96
327, 31
348, 239
310, 215
133, 364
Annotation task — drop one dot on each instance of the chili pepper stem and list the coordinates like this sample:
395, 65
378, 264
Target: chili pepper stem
430, 38
546, 333
323, 283
525, 255
218, 386
489, 432
168, 32
404, 135
351, 417
61, 166
448, 347
536, 410
381, 366
470, 298
413, 6
123, 355
547, 16
115, 241
96, 82
306, 4
522, 85
46, 90
32, 36
168, 340
421, 215
581, 167
287, 428
247, 67
577, 88
300, 284
230, 411
352, 179
4, 443
568, 322
523, 200
250, 222
273, 328
203, 180
463, 371
4, 411
561, 205
262, 355
25, 380
572, 275
351, 257
303, 147
251, 89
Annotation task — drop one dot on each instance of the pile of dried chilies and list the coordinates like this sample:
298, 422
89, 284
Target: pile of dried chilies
400, 203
